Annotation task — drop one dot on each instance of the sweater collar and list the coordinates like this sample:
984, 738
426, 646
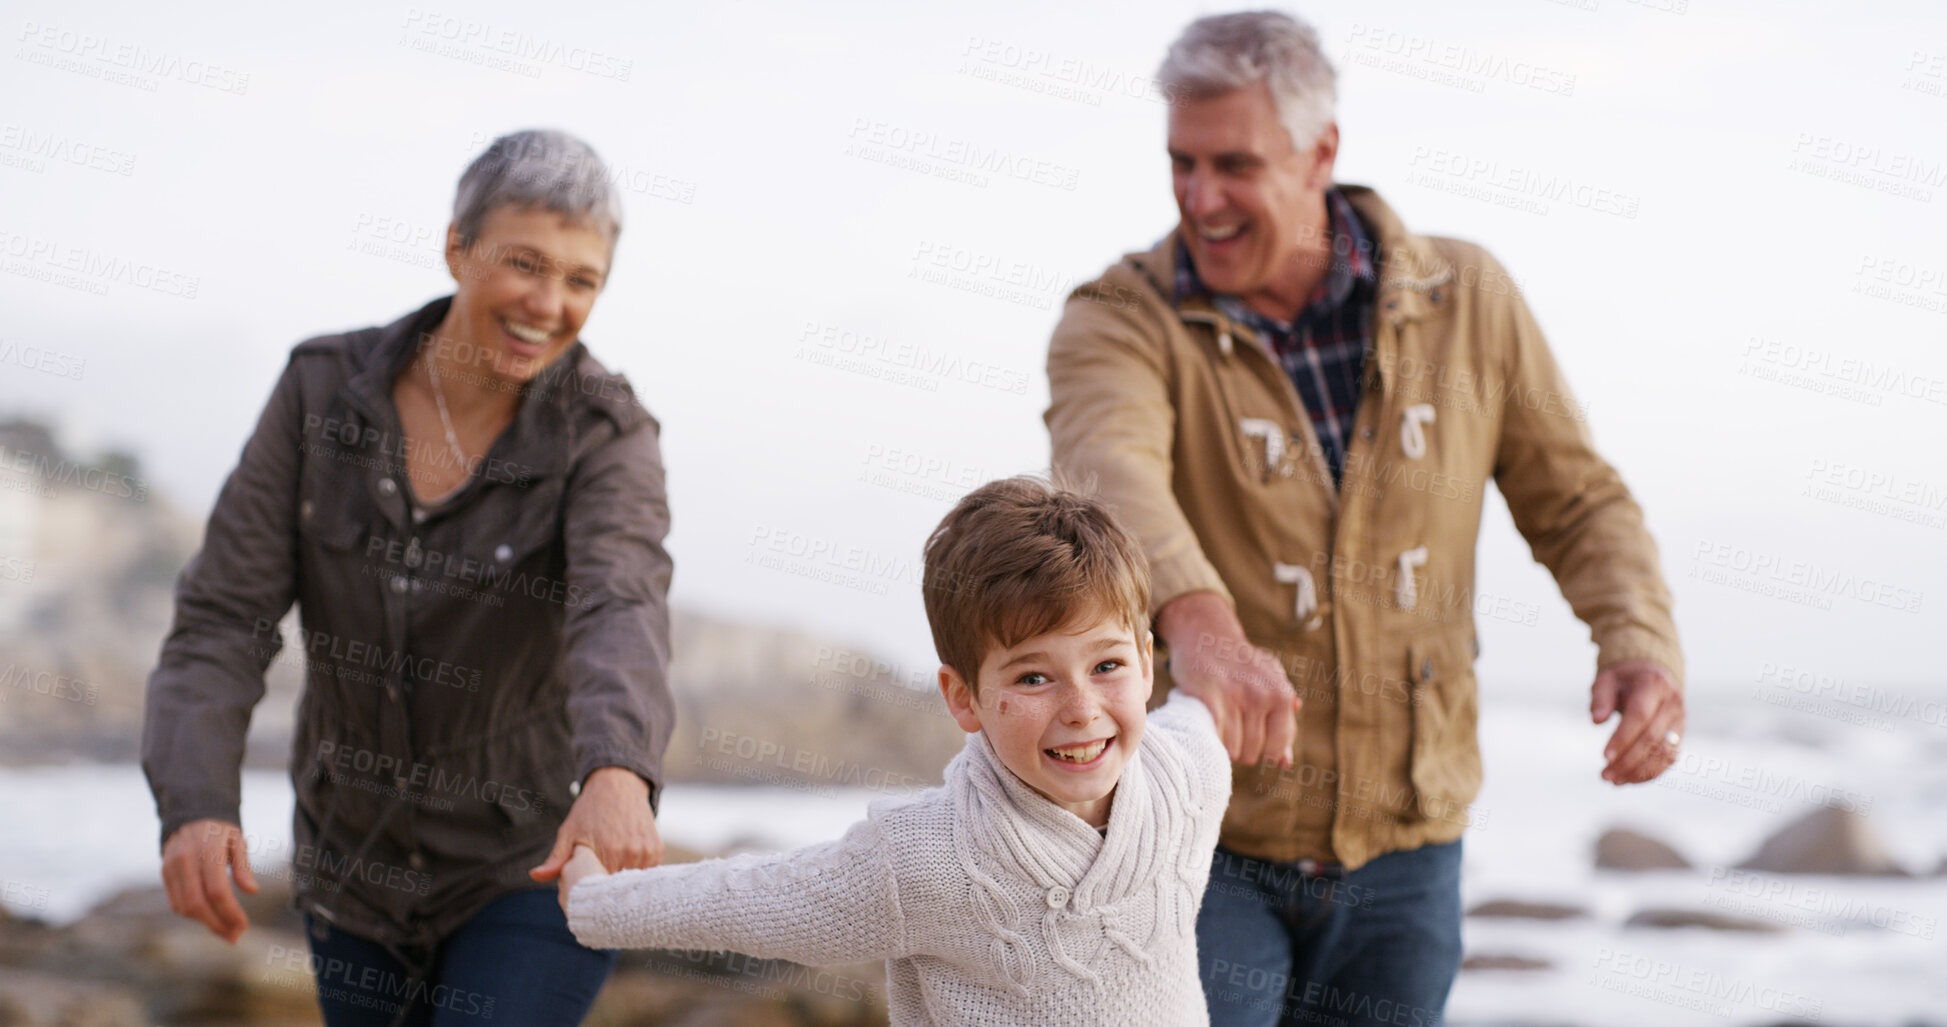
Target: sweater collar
1052, 847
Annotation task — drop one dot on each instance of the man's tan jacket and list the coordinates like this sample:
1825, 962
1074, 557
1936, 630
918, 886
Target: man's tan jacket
1189, 426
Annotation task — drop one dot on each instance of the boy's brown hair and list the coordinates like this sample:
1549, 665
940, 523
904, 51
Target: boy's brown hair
1020, 557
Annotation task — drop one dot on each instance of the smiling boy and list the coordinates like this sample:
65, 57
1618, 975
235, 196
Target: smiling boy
1055, 878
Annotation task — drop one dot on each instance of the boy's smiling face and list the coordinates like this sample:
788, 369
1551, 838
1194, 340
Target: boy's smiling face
1064, 710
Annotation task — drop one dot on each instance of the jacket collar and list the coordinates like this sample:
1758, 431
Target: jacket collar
1411, 277
538, 442
1411, 271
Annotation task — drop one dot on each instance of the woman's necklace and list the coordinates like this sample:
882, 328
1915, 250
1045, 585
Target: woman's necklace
445, 419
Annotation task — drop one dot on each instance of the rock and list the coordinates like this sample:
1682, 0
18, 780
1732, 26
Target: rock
183, 973
32, 999
1623, 849
718, 989
131, 962
1501, 961
1516, 909
1698, 918
1827, 840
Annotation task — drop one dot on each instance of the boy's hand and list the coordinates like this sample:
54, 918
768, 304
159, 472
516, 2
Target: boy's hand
583, 864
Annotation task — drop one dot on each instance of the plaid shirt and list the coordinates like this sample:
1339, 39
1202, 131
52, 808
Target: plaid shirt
1324, 350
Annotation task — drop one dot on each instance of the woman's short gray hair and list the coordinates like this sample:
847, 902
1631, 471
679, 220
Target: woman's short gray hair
537, 168
1234, 51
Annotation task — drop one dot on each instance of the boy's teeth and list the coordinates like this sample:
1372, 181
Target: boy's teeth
1220, 234
1080, 753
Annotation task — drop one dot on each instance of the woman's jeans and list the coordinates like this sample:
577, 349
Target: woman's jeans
1301, 943
515, 963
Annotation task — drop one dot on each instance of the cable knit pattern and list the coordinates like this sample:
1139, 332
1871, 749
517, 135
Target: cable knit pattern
990, 904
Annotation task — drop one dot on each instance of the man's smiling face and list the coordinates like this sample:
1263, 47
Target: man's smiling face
1251, 204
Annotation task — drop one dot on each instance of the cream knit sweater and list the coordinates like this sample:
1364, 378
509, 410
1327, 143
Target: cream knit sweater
990, 904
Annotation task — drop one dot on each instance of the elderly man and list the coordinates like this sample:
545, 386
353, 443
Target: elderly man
1296, 403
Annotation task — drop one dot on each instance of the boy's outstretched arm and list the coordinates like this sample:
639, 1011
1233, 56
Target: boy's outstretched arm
832, 903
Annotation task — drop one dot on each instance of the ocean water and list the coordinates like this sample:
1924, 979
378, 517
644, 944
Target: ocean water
1851, 950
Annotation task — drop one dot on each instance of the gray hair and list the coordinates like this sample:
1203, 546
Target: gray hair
537, 168
1225, 52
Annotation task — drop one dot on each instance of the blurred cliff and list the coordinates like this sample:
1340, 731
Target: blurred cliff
89, 554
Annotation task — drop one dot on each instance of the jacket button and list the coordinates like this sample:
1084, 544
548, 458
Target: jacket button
388, 487
1426, 670
503, 552
1365, 432
418, 862
392, 692
400, 584
306, 509
1057, 897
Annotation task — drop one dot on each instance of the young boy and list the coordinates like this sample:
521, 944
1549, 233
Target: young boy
1055, 878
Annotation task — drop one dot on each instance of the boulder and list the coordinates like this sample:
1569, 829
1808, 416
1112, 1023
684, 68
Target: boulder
1700, 918
33, 999
653, 988
131, 962
1516, 909
1827, 840
1623, 849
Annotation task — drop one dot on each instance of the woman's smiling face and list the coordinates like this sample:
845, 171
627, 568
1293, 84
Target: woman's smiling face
1064, 710
526, 285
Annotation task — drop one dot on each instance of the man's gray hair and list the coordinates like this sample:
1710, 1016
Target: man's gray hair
1225, 52
537, 168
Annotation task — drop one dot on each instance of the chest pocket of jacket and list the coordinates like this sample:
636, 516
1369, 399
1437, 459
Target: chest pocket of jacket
333, 509
504, 532
1446, 759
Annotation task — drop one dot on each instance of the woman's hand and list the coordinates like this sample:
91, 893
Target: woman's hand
197, 864
612, 817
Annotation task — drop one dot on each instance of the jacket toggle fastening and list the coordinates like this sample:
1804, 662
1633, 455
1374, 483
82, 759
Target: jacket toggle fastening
1412, 434
1406, 592
1273, 435
1305, 607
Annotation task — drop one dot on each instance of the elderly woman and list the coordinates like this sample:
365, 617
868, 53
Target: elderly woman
469, 512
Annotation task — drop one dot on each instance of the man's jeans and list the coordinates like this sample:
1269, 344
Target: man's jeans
1301, 943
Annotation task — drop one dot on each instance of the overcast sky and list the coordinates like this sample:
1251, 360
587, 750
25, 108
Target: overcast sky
1744, 280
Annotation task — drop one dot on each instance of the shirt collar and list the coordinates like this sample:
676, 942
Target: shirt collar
1352, 265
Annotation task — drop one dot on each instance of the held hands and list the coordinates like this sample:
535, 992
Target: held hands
198, 861
581, 866
1246, 688
612, 818
1652, 715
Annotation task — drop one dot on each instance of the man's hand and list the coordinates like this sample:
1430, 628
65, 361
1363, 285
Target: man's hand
197, 863
612, 817
581, 866
1246, 688
1652, 709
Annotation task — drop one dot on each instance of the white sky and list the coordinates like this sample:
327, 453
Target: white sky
1723, 126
